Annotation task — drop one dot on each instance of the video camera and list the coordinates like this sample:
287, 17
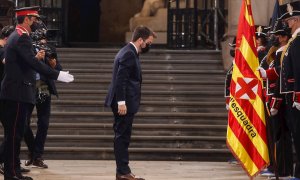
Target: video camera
42, 33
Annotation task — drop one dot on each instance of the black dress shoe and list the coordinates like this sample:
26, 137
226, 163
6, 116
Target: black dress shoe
24, 170
28, 162
39, 162
129, 176
18, 178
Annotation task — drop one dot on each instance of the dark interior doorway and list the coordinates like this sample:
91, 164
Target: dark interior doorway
84, 20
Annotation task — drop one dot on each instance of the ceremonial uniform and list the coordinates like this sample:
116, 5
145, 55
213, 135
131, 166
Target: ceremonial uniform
281, 135
229, 74
290, 76
289, 85
18, 93
261, 39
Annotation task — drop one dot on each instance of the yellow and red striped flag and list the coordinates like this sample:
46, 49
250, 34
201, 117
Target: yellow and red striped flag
246, 131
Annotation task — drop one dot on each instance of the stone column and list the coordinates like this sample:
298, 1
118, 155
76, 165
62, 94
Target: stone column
262, 12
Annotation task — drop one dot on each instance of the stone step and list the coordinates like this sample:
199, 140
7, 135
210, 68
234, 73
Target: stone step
145, 86
154, 54
152, 77
146, 106
205, 96
99, 80
138, 129
216, 118
76, 59
106, 153
145, 92
204, 142
158, 66
100, 72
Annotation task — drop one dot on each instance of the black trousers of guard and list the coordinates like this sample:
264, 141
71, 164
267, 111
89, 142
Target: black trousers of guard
281, 137
2, 155
36, 144
293, 118
15, 116
122, 128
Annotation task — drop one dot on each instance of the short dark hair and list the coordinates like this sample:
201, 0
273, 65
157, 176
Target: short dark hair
6, 31
263, 40
142, 32
20, 19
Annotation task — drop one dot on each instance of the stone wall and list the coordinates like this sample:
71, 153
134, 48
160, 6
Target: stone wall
262, 12
115, 15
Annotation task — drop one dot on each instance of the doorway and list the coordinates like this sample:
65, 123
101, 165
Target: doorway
83, 20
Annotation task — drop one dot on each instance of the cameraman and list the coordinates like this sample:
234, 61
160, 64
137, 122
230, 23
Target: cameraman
45, 87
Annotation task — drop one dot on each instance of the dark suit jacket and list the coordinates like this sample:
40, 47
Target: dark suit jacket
20, 67
126, 80
48, 81
1, 64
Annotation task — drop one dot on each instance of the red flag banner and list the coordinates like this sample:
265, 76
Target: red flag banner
246, 131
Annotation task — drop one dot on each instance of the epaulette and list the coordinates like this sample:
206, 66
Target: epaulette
21, 31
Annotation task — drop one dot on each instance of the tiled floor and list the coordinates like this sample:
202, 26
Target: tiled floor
150, 170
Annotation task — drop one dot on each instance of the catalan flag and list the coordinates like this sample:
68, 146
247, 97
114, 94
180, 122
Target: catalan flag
246, 131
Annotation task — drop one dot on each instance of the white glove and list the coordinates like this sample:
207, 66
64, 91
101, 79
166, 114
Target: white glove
296, 105
262, 72
227, 106
273, 111
64, 76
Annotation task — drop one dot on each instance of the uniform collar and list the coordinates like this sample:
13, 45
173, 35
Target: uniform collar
280, 49
259, 48
296, 32
22, 29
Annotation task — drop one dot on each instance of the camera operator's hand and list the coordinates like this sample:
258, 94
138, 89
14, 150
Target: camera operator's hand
64, 76
52, 62
40, 55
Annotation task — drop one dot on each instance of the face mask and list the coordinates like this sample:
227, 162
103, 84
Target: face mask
275, 42
34, 26
286, 28
232, 52
145, 49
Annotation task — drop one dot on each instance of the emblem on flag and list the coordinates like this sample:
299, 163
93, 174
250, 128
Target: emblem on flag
246, 88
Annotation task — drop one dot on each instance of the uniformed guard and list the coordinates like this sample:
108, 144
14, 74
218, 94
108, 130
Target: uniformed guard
229, 73
290, 74
228, 78
261, 41
281, 134
18, 87
4, 33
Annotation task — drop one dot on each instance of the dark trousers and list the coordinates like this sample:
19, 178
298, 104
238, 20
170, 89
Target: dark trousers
15, 117
2, 144
293, 117
281, 142
36, 145
122, 128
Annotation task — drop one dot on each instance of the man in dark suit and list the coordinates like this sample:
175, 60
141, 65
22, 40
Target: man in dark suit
124, 96
18, 88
